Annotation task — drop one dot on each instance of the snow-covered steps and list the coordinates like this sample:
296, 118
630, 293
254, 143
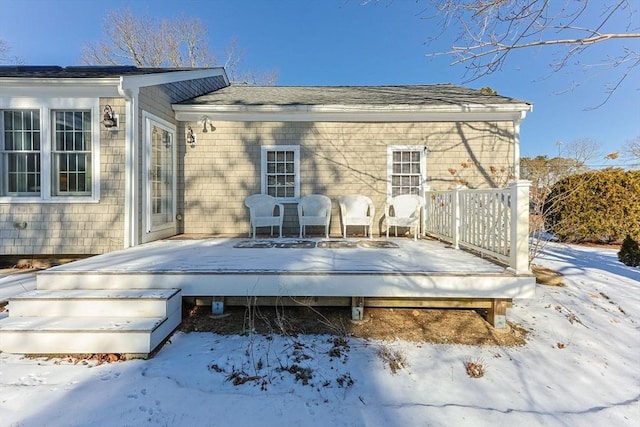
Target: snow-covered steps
90, 321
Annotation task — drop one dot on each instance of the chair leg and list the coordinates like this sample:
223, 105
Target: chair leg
301, 231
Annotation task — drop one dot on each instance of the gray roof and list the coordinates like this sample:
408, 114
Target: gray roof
74, 72
419, 95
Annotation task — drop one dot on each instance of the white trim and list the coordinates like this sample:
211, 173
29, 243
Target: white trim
423, 165
361, 113
516, 146
131, 170
47, 106
151, 233
152, 79
99, 86
263, 170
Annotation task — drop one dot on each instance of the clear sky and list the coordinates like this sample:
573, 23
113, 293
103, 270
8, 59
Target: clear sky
341, 42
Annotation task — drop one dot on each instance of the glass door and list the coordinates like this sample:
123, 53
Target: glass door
160, 186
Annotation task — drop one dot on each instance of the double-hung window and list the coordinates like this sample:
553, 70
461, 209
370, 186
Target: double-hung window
281, 171
20, 152
71, 153
406, 170
49, 151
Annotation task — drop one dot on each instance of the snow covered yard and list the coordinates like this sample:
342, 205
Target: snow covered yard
580, 367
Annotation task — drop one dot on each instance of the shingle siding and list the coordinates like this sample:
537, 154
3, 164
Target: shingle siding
82, 228
335, 159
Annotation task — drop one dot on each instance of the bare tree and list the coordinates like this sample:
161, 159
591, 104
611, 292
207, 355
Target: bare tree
544, 172
4, 54
234, 56
4, 48
491, 30
148, 42
632, 148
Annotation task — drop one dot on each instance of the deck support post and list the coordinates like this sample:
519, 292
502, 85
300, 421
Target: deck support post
217, 305
519, 245
357, 308
497, 314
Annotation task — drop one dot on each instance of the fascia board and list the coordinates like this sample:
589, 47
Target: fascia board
513, 112
132, 82
59, 87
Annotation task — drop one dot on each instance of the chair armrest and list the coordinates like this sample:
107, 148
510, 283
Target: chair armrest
280, 210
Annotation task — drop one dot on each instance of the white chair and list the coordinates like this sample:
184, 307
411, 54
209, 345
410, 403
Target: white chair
404, 211
262, 209
314, 209
356, 210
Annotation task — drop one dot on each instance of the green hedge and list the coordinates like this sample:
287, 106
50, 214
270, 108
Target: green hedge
598, 206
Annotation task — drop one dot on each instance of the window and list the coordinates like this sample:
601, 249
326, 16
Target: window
406, 170
72, 153
281, 171
21, 152
49, 152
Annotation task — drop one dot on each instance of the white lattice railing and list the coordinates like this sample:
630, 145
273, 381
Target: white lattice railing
493, 221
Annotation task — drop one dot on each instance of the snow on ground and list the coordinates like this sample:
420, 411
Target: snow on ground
580, 367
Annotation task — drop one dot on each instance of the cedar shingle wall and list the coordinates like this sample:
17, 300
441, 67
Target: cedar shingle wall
336, 159
74, 228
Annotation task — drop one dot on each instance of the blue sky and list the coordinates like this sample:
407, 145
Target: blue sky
340, 42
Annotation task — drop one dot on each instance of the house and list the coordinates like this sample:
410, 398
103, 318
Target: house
101, 160
74, 183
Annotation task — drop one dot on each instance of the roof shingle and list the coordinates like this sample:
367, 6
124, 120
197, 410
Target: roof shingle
418, 95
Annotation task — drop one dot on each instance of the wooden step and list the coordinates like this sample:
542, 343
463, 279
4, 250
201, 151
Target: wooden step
96, 303
68, 335
90, 321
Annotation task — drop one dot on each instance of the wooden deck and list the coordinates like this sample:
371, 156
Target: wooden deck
225, 267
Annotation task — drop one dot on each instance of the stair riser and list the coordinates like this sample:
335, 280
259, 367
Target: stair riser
66, 342
75, 342
82, 308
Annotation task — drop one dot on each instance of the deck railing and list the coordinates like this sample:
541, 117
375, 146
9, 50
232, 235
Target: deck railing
492, 221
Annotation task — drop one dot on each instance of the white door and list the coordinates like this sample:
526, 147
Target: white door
160, 188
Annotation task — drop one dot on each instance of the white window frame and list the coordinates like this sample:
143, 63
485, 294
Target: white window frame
265, 149
154, 232
47, 107
423, 166
6, 154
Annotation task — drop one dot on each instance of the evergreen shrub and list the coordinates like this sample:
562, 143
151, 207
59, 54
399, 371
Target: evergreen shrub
596, 206
629, 252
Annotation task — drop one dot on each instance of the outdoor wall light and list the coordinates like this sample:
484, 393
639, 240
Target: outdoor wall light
204, 120
191, 137
109, 120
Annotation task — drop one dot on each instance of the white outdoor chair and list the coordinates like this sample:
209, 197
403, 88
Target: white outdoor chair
404, 211
314, 209
356, 210
262, 209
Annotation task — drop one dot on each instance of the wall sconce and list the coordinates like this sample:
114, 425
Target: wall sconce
204, 120
110, 120
191, 138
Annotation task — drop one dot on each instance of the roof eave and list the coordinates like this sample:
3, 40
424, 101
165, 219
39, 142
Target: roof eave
360, 113
69, 87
